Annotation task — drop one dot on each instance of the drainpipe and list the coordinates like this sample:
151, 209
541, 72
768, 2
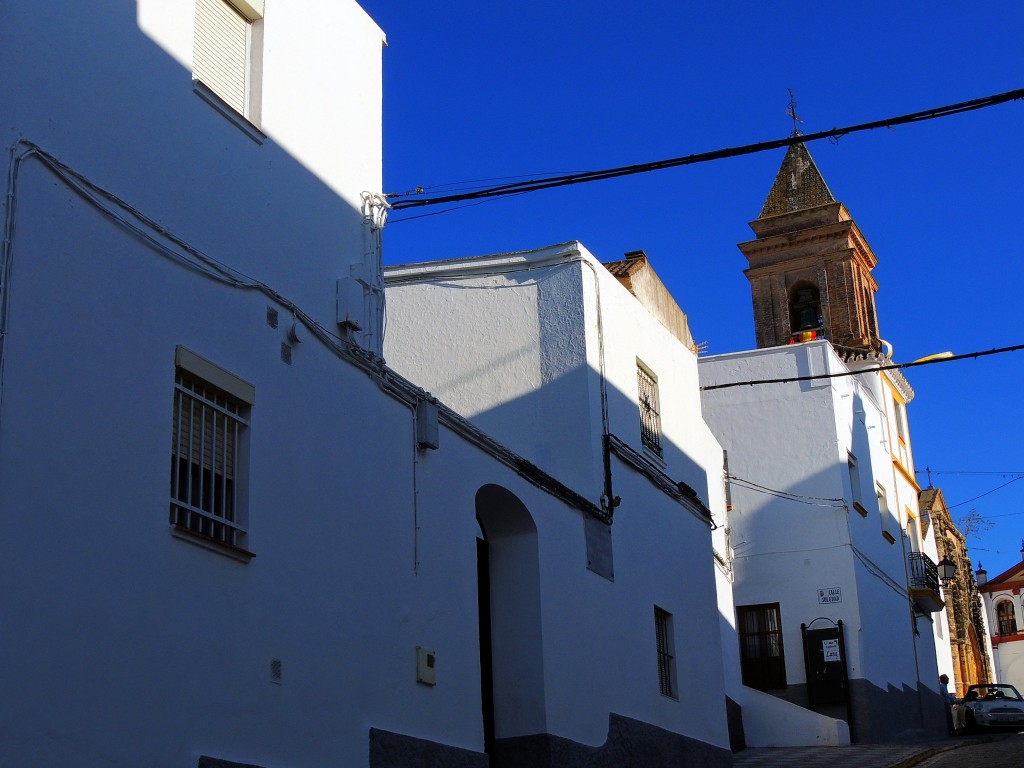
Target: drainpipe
609, 501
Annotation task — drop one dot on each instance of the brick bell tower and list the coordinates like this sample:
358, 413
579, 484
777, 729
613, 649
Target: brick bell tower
810, 266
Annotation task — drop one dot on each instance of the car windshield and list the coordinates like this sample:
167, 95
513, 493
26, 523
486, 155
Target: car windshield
989, 692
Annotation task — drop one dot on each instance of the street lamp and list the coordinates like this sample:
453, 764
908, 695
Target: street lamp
947, 569
936, 356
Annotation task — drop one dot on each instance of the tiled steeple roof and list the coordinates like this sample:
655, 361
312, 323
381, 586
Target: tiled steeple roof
798, 186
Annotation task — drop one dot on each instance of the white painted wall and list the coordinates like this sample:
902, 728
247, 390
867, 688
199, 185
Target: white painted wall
483, 331
118, 105
1008, 654
134, 647
772, 722
796, 438
138, 648
518, 343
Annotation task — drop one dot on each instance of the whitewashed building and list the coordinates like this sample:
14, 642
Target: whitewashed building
836, 590
1004, 614
230, 534
591, 377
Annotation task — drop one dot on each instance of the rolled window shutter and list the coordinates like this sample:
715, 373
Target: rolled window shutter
201, 434
220, 54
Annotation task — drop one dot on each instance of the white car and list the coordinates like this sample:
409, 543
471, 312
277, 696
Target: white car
989, 705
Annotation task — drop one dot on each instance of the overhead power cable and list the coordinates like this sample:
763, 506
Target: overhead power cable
890, 367
752, 486
965, 472
403, 200
998, 487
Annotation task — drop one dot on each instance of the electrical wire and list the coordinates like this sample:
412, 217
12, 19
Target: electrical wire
752, 486
182, 253
1014, 477
964, 472
998, 487
405, 200
479, 183
890, 367
447, 210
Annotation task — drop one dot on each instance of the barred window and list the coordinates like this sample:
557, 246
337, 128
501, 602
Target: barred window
666, 659
650, 411
210, 419
762, 660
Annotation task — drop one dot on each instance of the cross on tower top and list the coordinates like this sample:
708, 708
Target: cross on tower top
792, 112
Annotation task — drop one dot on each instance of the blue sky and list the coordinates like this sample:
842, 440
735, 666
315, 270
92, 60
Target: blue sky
485, 90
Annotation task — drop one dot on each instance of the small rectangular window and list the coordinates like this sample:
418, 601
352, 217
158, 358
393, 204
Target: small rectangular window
901, 420
855, 486
666, 657
210, 419
762, 659
650, 409
913, 530
901, 448
885, 516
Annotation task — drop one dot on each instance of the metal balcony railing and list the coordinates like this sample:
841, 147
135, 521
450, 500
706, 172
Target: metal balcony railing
924, 573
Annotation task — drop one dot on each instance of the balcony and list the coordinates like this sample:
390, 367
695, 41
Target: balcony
924, 582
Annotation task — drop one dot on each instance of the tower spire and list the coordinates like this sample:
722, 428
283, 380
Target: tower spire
810, 266
798, 185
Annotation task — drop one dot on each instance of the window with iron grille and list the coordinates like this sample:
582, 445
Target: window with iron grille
762, 660
666, 659
1005, 619
650, 412
208, 452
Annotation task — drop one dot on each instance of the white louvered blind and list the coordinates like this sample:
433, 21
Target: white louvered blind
220, 53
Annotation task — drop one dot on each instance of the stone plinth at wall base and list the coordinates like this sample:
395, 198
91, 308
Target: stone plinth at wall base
630, 744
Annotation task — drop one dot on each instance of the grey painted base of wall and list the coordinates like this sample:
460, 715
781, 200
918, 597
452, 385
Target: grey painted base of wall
395, 750
737, 736
884, 715
206, 761
895, 714
630, 744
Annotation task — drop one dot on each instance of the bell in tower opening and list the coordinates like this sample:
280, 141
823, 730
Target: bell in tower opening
805, 309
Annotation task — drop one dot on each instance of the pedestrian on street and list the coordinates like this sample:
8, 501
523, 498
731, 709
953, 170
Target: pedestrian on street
949, 698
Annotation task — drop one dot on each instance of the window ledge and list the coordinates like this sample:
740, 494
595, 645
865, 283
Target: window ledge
235, 553
249, 129
888, 537
655, 455
860, 509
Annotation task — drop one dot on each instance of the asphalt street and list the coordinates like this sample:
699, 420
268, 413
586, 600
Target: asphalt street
986, 751
1002, 752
